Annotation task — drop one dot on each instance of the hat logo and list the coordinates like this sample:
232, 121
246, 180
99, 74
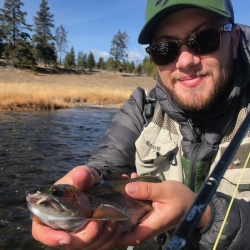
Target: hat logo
159, 1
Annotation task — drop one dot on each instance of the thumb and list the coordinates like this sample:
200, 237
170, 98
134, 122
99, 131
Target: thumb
144, 190
84, 177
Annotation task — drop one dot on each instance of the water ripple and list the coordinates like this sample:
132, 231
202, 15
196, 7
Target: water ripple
37, 148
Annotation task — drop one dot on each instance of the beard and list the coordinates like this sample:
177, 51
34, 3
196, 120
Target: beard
196, 101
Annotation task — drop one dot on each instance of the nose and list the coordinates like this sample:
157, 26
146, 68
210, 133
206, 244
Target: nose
186, 58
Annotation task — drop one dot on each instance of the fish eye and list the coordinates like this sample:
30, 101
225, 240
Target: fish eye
56, 192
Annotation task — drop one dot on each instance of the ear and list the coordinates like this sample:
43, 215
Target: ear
235, 36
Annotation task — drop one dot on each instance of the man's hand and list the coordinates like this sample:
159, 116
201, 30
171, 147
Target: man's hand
96, 234
170, 199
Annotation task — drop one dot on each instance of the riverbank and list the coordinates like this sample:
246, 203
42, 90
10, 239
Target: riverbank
22, 89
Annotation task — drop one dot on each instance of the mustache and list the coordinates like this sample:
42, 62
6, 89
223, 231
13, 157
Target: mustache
175, 78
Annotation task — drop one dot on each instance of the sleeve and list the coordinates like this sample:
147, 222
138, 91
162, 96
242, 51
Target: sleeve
116, 151
235, 235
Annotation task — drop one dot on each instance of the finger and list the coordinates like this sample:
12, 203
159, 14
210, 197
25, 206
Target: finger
85, 177
125, 176
134, 175
81, 177
136, 236
145, 191
49, 236
110, 235
85, 238
67, 179
113, 241
151, 227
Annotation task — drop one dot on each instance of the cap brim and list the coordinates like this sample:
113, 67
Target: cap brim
148, 29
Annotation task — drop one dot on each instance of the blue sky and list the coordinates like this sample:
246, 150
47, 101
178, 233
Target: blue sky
91, 24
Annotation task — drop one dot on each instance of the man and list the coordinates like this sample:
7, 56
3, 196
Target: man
202, 94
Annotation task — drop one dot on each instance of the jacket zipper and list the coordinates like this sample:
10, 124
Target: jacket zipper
193, 163
194, 157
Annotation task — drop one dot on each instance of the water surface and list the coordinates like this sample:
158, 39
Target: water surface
37, 148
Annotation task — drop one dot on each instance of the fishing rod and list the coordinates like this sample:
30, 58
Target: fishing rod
192, 217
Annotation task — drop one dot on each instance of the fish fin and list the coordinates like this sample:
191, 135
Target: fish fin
107, 212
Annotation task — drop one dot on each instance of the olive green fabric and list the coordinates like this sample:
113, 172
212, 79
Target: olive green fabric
202, 168
156, 10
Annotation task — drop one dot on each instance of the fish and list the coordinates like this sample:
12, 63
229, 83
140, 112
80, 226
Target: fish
65, 207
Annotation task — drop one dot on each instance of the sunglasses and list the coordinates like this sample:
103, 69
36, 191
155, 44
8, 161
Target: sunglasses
203, 42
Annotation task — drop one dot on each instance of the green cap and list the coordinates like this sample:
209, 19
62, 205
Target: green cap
156, 10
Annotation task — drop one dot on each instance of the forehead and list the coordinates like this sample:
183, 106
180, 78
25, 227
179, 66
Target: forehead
182, 22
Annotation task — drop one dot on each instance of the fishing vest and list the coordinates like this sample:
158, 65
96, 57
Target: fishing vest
159, 152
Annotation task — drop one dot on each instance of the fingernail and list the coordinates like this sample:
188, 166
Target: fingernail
131, 188
63, 242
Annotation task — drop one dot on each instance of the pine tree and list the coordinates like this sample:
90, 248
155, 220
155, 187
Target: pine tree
148, 67
132, 66
43, 38
66, 61
127, 67
72, 57
80, 60
138, 69
69, 60
85, 60
17, 48
109, 64
122, 66
61, 41
100, 64
91, 61
118, 48
1, 39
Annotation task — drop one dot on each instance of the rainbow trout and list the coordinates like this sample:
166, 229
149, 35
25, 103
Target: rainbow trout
67, 208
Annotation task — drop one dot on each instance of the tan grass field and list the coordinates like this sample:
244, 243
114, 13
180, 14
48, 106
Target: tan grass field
21, 89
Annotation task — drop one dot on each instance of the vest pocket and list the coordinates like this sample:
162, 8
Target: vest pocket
234, 171
155, 150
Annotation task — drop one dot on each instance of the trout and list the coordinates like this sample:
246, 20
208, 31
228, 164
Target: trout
65, 207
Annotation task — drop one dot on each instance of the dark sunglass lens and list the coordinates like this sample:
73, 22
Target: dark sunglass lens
204, 42
164, 53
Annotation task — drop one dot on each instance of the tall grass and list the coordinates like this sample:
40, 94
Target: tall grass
37, 96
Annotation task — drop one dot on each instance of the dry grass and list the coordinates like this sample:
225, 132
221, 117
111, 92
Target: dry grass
24, 90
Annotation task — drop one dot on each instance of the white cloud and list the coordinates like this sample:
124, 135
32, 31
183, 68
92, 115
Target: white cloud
133, 55
97, 54
137, 54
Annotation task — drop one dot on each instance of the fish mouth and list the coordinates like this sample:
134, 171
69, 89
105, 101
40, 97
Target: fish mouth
45, 201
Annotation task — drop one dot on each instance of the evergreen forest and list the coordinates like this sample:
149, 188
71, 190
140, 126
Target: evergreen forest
44, 43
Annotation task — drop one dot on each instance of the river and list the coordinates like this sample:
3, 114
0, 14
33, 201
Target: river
37, 148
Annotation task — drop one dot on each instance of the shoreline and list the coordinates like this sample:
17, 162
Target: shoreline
104, 106
107, 106
23, 90
72, 106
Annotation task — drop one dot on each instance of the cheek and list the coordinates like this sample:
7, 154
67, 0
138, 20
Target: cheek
164, 73
221, 60
226, 52
211, 65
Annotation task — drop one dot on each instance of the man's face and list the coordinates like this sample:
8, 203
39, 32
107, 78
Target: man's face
196, 82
